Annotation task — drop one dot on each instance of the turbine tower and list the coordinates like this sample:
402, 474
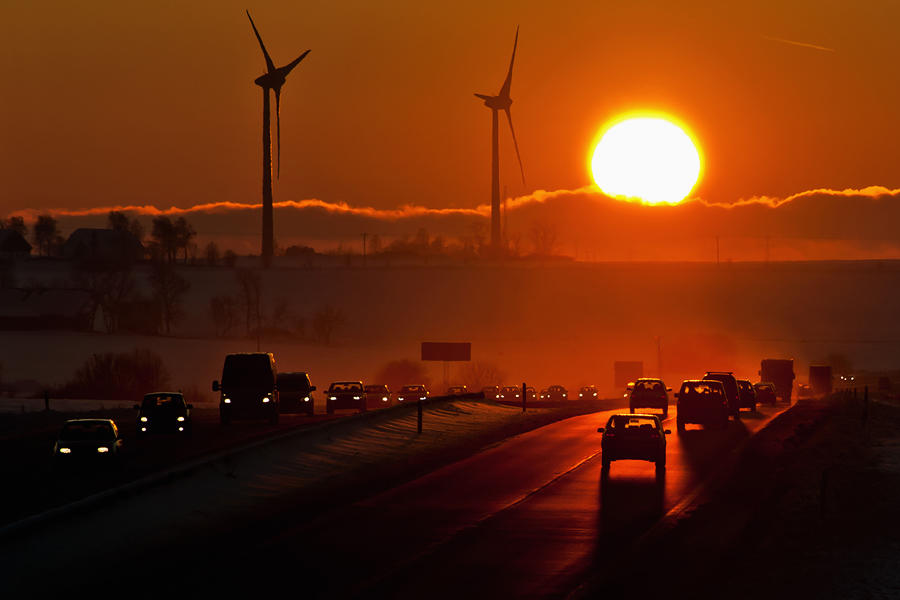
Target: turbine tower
501, 101
272, 79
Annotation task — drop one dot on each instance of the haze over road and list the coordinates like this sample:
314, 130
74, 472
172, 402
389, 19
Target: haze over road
527, 517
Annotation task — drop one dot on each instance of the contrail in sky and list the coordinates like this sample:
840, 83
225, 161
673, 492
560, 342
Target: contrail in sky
801, 44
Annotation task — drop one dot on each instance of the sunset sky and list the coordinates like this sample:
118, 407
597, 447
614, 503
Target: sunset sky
109, 104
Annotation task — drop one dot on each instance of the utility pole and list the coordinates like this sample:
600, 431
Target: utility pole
659, 372
717, 251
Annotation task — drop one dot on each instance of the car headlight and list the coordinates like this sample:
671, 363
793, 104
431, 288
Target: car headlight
65, 450
143, 419
180, 419
332, 397
400, 399
595, 393
421, 397
517, 395
102, 449
226, 400
565, 395
581, 395
267, 399
356, 397
497, 396
384, 398
143, 429
181, 429
306, 398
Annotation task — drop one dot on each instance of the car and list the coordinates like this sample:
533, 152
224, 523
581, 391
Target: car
747, 394
588, 391
555, 393
412, 393
345, 394
648, 392
87, 441
729, 381
633, 436
702, 401
804, 390
295, 393
164, 412
491, 392
530, 393
765, 392
378, 395
457, 390
511, 393
249, 387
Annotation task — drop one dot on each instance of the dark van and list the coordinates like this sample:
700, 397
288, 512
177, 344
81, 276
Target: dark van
248, 389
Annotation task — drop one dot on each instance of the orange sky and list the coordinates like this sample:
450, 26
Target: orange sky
108, 104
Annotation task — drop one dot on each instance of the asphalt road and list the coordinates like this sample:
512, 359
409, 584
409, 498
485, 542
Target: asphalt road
530, 517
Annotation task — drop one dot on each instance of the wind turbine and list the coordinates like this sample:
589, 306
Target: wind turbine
272, 79
501, 101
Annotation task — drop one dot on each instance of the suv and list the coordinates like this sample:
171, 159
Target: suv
636, 437
702, 401
345, 394
163, 412
729, 382
747, 393
248, 387
648, 392
379, 395
295, 393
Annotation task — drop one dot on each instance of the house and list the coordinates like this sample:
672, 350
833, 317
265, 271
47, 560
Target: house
13, 245
108, 245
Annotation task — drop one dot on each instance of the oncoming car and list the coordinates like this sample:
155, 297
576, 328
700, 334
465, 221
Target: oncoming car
345, 394
378, 395
588, 391
510, 392
747, 394
456, 390
555, 393
530, 393
412, 393
84, 441
163, 412
633, 437
649, 393
295, 393
491, 392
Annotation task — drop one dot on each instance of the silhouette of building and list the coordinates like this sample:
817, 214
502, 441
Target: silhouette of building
108, 245
13, 245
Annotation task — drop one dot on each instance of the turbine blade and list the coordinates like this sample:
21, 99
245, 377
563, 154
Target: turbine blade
516, 144
278, 131
504, 91
483, 96
269, 64
290, 66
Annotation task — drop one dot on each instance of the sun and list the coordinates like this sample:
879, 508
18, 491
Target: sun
649, 159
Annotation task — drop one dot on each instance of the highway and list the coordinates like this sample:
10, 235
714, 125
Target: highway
527, 518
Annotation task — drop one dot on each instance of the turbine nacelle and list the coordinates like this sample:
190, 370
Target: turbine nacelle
496, 102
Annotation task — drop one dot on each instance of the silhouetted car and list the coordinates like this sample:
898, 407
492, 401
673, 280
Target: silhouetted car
295, 393
747, 394
378, 395
633, 437
588, 391
345, 394
702, 401
87, 441
555, 393
649, 392
248, 387
491, 392
456, 390
804, 390
731, 390
765, 392
164, 412
511, 392
531, 393
412, 393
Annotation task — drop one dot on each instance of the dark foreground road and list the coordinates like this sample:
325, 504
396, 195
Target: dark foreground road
529, 517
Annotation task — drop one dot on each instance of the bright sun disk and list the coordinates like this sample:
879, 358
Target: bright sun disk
646, 158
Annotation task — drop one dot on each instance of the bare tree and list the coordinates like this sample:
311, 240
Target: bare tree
184, 235
110, 287
543, 238
479, 374
165, 238
46, 234
224, 313
326, 322
398, 373
168, 289
17, 224
119, 221
212, 254
229, 258
249, 293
